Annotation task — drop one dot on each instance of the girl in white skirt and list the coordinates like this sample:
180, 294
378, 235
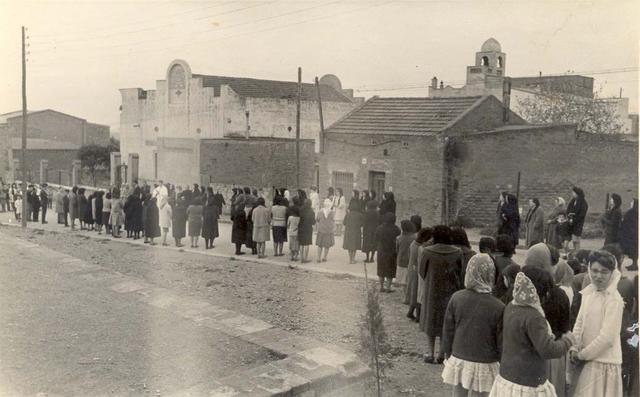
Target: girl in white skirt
471, 333
527, 341
597, 353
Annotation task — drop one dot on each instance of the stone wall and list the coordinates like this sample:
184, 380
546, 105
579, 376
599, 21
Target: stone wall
412, 168
59, 164
551, 160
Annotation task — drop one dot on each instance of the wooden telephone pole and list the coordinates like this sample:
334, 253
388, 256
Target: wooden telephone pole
298, 128
24, 131
321, 146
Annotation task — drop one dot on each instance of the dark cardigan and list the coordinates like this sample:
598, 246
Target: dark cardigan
527, 344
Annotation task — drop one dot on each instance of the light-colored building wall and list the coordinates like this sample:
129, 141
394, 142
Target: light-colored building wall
177, 111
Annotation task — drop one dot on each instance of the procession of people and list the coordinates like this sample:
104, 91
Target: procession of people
563, 323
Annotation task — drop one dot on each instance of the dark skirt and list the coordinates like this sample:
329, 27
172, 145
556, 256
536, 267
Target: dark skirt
210, 229
239, 228
386, 265
305, 235
105, 218
249, 243
279, 234
369, 239
179, 222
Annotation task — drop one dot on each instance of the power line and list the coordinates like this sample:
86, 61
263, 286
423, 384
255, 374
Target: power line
192, 43
154, 28
127, 25
208, 30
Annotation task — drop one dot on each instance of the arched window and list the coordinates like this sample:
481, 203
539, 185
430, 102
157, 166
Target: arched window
499, 62
485, 61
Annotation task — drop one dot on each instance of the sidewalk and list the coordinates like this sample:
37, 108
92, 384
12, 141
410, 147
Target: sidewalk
337, 261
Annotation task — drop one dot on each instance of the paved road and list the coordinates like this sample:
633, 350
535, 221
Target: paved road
65, 332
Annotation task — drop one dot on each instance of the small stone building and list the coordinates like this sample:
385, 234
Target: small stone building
52, 136
399, 145
449, 158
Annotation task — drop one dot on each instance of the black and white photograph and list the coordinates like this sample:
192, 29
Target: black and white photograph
319, 198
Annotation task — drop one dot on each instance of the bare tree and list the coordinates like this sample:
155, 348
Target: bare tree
594, 115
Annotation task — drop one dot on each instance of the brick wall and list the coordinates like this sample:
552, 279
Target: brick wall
412, 167
551, 160
256, 162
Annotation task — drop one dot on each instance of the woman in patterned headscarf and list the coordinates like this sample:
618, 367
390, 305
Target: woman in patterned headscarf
471, 332
527, 340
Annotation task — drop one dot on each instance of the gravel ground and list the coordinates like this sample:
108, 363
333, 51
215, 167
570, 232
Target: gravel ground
323, 306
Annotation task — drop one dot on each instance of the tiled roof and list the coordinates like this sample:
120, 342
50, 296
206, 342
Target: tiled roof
404, 116
43, 144
255, 88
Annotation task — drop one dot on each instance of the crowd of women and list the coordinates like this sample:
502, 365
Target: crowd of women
565, 223
555, 325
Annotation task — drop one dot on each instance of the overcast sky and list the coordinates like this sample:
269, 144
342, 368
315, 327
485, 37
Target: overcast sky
82, 52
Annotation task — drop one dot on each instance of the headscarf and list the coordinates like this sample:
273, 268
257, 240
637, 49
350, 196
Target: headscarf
480, 274
326, 207
539, 256
561, 202
564, 274
525, 294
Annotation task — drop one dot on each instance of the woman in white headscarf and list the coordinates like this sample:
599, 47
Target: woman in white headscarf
557, 215
471, 336
326, 224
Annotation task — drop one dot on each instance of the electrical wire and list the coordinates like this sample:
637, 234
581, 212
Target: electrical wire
192, 43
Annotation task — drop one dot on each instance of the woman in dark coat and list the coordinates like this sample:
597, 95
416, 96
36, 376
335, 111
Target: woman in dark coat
210, 216
305, 229
611, 220
353, 221
388, 204
133, 214
179, 220
82, 208
441, 268
385, 236
151, 220
629, 235
577, 212
88, 213
509, 217
97, 209
371, 222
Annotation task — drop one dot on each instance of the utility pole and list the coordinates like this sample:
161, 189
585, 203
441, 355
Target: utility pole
321, 118
298, 128
24, 131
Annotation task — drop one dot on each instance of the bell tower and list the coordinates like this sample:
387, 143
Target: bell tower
490, 63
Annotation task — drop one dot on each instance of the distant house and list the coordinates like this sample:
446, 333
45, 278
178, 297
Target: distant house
51, 135
488, 76
398, 145
447, 159
166, 127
